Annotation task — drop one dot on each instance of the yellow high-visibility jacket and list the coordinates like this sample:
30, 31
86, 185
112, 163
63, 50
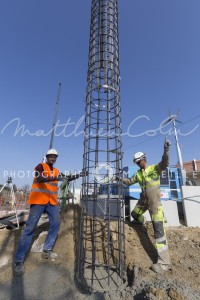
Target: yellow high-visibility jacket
149, 180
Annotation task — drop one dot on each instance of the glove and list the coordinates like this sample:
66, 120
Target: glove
61, 177
167, 145
83, 174
52, 178
116, 178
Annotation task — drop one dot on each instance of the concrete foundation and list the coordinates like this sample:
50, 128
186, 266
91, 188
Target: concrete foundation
104, 207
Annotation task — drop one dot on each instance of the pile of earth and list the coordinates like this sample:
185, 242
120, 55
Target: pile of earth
54, 279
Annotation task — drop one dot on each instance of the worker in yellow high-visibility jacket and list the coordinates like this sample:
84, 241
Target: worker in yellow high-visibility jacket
149, 179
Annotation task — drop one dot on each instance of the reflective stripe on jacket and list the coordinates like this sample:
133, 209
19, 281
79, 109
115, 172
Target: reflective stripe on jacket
148, 178
45, 192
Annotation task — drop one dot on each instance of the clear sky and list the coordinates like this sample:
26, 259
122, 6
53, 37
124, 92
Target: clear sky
44, 42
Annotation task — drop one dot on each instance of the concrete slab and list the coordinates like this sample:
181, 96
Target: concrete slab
191, 205
170, 210
171, 213
104, 207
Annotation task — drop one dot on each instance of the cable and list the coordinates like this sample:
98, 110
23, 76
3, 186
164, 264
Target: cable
183, 123
143, 142
147, 140
189, 198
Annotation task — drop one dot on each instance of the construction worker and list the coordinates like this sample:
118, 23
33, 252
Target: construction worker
149, 179
43, 199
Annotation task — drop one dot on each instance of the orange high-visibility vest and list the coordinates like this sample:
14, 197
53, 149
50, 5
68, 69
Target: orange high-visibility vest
45, 192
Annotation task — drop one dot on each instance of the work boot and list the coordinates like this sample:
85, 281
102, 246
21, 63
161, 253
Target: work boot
19, 269
49, 254
159, 268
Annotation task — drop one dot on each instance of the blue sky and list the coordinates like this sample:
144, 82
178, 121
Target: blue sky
44, 42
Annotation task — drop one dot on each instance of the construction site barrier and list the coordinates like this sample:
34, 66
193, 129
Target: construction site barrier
7, 205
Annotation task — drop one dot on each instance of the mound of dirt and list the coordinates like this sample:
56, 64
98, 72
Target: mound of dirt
54, 279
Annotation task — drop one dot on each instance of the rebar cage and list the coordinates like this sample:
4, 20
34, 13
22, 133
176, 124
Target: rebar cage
102, 242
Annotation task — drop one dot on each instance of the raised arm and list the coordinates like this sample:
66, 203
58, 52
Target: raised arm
165, 158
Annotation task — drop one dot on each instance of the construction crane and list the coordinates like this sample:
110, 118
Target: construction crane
55, 116
54, 121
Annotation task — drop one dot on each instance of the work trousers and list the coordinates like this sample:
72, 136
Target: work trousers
157, 217
27, 235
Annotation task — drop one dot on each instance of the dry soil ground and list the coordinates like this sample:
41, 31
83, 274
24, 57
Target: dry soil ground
55, 279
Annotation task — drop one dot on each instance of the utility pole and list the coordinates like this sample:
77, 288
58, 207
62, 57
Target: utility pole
173, 119
180, 160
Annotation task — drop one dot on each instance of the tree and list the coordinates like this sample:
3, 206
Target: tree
14, 187
26, 188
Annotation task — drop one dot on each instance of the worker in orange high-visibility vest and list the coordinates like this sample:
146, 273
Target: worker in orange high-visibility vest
45, 184
43, 199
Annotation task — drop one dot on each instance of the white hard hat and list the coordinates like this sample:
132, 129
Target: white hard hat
52, 151
138, 156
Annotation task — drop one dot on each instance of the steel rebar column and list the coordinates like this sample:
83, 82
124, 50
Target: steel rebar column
102, 246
